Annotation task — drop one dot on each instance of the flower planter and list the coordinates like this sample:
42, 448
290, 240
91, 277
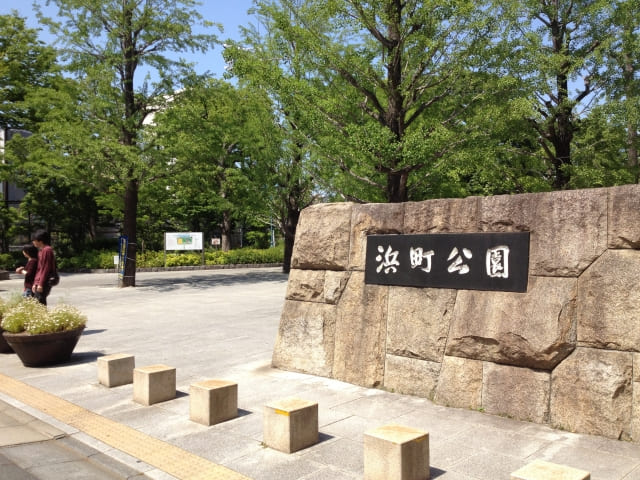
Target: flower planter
45, 348
4, 346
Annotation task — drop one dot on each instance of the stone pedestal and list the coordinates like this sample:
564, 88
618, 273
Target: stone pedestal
115, 370
290, 424
213, 401
154, 384
541, 470
395, 452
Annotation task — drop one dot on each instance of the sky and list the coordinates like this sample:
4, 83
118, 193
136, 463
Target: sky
230, 13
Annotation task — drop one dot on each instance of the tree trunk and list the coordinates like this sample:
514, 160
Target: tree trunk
397, 187
129, 139
560, 132
225, 243
562, 147
289, 230
130, 230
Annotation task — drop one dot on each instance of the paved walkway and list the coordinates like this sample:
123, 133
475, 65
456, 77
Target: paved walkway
60, 423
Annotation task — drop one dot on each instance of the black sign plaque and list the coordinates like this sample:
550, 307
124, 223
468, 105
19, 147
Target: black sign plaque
468, 261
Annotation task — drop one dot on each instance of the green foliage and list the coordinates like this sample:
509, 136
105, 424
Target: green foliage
183, 259
103, 259
30, 316
89, 259
381, 90
244, 256
216, 136
340, 100
27, 63
98, 135
150, 258
7, 261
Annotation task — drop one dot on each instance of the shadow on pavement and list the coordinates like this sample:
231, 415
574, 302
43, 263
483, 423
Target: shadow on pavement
93, 332
84, 357
199, 281
436, 472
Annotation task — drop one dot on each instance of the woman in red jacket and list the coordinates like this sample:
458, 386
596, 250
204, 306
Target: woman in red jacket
46, 265
29, 270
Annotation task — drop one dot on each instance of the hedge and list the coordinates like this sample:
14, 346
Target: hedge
103, 259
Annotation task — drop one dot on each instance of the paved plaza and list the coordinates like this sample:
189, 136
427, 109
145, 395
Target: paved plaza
222, 324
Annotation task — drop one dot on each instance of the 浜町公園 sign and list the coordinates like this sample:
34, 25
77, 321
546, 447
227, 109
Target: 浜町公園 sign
469, 261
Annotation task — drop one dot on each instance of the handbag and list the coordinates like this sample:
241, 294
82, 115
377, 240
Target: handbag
54, 278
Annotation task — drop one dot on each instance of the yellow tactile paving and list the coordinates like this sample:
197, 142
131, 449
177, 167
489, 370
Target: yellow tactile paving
164, 456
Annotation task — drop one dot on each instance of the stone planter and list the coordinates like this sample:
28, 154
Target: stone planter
4, 346
45, 348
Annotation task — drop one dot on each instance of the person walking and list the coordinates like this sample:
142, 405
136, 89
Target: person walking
46, 266
29, 270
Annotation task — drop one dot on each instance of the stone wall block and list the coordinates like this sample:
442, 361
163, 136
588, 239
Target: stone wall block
334, 285
372, 219
418, 322
458, 215
534, 330
306, 285
608, 302
624, 216
591, 392
635, 404
568, 228
411, 376
361, 333
635, 409
306, 338
460, 383
322, 237
519, 393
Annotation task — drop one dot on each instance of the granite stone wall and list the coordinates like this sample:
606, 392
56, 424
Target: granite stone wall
565, 353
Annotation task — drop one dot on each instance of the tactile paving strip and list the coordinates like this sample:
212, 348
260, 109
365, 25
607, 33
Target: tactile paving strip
164, 456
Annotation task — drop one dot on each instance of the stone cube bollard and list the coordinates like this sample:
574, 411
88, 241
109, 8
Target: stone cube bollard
115, 370
394, 452
213, 401
541, 470
154, 384
290, 424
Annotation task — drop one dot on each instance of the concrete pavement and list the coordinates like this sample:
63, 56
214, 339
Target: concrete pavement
223, 324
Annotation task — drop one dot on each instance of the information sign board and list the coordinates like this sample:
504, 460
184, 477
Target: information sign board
183, 240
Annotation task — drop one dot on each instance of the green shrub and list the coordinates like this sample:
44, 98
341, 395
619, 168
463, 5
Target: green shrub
214, 257
8, 261
150, 259
90, 259
245, 256
183, 259
103, 259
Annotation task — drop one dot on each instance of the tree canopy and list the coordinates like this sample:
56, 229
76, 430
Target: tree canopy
411, 100
105, 44
27, 63
382, 101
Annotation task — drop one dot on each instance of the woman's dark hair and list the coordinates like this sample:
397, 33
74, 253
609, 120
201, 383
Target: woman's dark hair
42, 236
30, 250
